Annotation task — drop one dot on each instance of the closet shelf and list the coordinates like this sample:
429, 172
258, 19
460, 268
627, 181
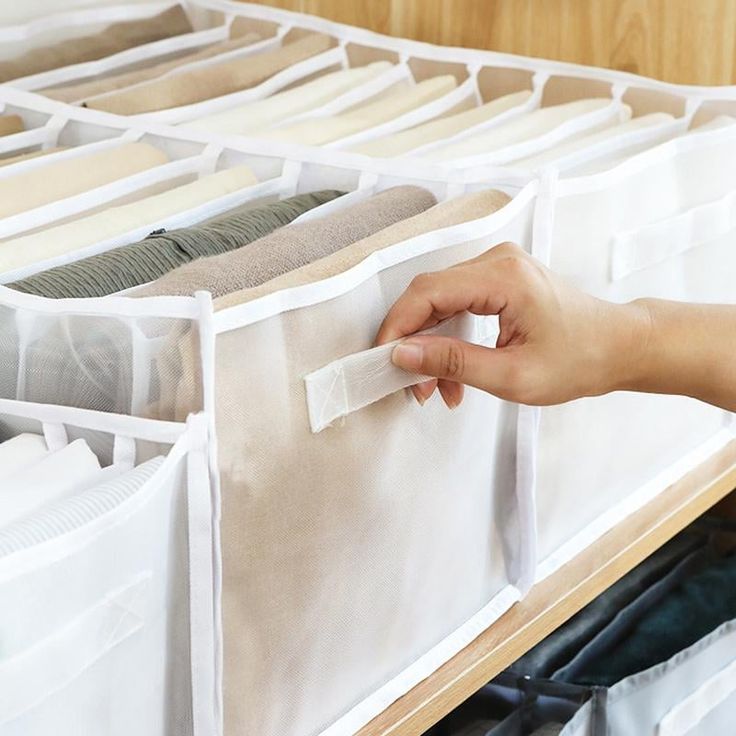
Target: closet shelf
559, 597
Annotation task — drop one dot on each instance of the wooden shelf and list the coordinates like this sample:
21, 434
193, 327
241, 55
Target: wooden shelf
552, 602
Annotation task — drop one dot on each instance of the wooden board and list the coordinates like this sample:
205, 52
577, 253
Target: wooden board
553, 601
685, 41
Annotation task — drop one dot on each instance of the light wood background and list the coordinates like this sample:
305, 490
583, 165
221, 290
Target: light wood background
685, 41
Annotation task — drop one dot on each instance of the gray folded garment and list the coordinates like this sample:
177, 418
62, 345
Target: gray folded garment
111, 40
292, 247
149, 259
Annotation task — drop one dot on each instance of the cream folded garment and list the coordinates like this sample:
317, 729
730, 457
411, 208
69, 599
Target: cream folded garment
259, 115
19, 453
116, 221
31, 154
10, 124
522, 129
439, 129
55, 181
111, 40
212, 80
318, 131
57, 475
293, 246
461, 209
89, 90
720, 121
585, 141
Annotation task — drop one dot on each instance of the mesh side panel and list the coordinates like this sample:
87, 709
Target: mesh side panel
109, 364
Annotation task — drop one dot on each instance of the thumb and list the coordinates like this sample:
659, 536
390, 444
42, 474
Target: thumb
455, 360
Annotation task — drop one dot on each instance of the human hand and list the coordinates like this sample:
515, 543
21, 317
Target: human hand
556, 343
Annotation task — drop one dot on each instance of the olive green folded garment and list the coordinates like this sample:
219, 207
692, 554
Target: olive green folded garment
446, 214
113, 39
90, 89
213, 80
31, 154
10, 124
149, 259
61, 179
294, 246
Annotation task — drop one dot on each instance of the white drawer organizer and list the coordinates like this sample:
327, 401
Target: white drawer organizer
357, 541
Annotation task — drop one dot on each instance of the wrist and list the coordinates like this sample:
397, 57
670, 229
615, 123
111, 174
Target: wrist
628, 335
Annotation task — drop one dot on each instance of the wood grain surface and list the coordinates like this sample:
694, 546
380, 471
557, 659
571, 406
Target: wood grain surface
685, 41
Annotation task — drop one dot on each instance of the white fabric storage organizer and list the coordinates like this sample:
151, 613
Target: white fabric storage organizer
502, 459
100, 630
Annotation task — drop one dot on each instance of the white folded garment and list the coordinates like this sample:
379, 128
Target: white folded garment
60, 474
261, 114
521, 129
21, 452
78, 509
318, 131
117, 221
440, 128
568, 147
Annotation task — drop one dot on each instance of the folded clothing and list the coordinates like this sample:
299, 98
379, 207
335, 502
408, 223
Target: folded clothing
585, 141
212, 80
29, 155
698, 605
558, 649
142, 262
117, 221
446, 214
525, 128
111, 40
21, 452
64, 515
10, 124
289, 248
90, 89
439, 129
259, 115
57, 475
61, 179
318, 131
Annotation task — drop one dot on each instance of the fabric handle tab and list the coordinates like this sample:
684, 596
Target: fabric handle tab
361, 379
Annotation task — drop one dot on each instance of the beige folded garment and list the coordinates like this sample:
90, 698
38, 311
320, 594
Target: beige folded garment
89, 90
29, 155
318, 131
111, 40
568, 147
213, 80
117, 221
291, 247
521, 129
461, 209
258, 115
440, 128
10, 124
720, 121
61, 179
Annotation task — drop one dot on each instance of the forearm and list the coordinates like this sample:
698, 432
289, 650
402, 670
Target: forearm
678, 348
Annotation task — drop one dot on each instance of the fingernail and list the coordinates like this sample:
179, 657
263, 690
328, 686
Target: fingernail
408, 355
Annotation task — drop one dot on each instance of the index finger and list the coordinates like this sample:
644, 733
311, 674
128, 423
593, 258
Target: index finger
430, 298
